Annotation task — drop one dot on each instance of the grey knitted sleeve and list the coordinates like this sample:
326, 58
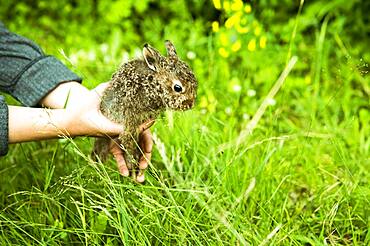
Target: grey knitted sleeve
3, 127
26, 72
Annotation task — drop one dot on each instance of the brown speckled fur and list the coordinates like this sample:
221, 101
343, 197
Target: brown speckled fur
139, 91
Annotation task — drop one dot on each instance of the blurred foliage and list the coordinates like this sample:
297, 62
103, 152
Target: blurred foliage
242, 43
240, 31
237, 50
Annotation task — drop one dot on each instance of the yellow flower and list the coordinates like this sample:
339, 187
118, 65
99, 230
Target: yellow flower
223, 52
226, 5
224, 39
211, 97
307, 79
247, 9
234, 19
237, 5
217, 4
215, 26
241, 29
211, 107
203, 102
252, 45
257, 31
263, 42
236, 46
234, 85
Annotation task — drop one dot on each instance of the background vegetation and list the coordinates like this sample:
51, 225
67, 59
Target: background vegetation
301, 177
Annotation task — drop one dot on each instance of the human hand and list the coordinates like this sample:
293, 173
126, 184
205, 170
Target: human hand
80, 115
82, 106
146, 145
84, 116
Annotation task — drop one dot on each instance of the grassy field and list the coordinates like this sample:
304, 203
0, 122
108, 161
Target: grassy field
299, 176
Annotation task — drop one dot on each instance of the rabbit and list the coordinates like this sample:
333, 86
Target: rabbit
139, 91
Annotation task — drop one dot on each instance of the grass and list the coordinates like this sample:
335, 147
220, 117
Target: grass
301, 177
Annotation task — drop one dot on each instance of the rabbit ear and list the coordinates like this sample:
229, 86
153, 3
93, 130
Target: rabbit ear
171, 51
151, 56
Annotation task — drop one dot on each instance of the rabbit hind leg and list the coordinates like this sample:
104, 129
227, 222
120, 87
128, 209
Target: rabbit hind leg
101, 149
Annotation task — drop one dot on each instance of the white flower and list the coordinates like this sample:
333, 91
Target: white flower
203, 111
246, 116
251, 93
191, 55
204, 129
107, 58
271, 101
228, 110
73, 58
237, 88
104, 48
91, 56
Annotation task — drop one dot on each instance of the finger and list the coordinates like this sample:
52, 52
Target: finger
107, 127
146, 141
118, 156
141, 176
146, 125
98, 91
103, 125
100, 88
121, 164
144, 160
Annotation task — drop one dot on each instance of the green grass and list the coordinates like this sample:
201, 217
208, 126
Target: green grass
300, 178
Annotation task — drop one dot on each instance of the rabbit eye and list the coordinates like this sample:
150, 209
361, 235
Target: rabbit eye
177, 88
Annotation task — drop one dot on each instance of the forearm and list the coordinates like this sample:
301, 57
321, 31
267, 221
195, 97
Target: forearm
32, 124
29, 124
81, 116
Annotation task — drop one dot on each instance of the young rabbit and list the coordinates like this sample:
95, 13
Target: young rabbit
139, 91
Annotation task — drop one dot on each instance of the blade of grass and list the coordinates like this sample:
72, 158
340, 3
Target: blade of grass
262, 108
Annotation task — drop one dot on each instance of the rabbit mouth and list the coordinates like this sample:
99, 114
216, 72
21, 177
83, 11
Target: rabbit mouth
187, 104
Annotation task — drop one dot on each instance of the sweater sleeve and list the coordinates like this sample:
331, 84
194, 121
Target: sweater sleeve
3, 127
26, 72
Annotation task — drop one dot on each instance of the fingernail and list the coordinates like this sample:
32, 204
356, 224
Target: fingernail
140, 178
125, 172
143, 165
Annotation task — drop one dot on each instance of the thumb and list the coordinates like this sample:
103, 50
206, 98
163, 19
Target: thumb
98, 91
108, 127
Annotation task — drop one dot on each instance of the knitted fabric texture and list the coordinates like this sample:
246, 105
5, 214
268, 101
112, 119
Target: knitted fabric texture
27, 74
3, 127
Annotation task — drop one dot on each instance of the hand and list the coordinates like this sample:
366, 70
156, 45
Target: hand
86, 118
82, 106
78, 118
146, 145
